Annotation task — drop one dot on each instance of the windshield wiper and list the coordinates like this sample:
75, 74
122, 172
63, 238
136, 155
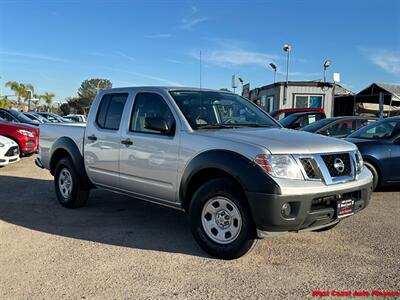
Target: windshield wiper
255, 125
213, 126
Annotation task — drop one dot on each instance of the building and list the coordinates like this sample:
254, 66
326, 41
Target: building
299, 94
367, 100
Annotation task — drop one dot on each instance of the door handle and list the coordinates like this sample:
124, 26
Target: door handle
92, 138
127, 142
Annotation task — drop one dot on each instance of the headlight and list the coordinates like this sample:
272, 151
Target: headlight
1, 145
359, 162
25, 132
281, 166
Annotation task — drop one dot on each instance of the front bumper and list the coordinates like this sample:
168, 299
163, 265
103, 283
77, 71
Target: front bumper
28, 145
310, 211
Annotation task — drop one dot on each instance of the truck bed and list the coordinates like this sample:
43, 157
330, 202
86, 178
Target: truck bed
51, 132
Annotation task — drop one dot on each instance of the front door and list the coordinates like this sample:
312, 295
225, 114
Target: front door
149, 159
103, 141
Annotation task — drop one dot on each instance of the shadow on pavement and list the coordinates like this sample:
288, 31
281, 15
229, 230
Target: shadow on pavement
109, 218
388, 189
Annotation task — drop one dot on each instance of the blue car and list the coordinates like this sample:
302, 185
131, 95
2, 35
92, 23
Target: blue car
379, 144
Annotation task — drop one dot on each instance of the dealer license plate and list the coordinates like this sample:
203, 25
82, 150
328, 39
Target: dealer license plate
345, 208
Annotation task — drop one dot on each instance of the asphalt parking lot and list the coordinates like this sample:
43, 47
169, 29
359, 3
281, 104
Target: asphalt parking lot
119, 248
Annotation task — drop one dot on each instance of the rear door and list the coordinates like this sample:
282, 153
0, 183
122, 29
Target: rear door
149, 159
103, 140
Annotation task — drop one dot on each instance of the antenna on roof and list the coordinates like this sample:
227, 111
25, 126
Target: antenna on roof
200, 68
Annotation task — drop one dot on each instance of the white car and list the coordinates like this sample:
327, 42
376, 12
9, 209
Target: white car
76, 118
9, 151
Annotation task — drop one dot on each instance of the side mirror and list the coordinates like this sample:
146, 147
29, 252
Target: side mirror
325, 132
397, 141
158, 124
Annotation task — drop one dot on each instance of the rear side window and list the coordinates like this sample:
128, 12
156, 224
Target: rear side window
110, 111
6, 116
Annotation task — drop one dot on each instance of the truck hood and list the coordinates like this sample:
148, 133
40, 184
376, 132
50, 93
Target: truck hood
281, 140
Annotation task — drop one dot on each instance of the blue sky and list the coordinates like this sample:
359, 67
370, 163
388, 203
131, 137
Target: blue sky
55, 45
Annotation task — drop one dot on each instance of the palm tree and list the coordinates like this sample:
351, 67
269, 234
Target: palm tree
18, 88
48, 98
21, 90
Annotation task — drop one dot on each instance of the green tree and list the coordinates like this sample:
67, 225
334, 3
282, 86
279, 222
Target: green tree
79, 105
18, 88
5, 103
22, 90
48, 98
65, 109
90, 87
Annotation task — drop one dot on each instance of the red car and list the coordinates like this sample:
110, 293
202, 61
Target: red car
283, 113
26, 136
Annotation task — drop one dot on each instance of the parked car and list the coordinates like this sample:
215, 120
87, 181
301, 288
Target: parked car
76, 118
300, 120
280, 114
338, 127
53, 118
9, 151
15, 116
213, 154
36, 117
379, 144
26, 136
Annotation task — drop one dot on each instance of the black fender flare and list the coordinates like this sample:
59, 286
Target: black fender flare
250, 176
68, 145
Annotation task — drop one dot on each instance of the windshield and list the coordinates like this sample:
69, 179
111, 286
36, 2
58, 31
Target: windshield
314, 127
208, 109
21, 117
289, 120
379, 130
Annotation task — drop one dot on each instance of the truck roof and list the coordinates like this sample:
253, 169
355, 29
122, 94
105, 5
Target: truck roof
162, 88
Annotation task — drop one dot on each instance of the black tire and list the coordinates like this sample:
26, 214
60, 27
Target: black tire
228, 189
327, 228
375, 174
79, 194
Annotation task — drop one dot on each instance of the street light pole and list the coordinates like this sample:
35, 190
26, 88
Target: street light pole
327, 63
287, 48
275, 68
29, 101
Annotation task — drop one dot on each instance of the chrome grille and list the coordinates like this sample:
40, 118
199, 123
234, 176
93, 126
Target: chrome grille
331, 168
337, 164
309, 168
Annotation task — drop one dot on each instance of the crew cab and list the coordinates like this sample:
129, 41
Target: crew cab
213, 154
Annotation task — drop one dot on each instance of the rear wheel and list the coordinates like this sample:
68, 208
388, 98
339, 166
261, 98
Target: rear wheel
220, 219
375, 174
68, 185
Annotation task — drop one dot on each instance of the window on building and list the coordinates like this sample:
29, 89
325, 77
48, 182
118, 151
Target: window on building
314, 101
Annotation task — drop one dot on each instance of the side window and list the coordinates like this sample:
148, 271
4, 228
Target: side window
6, 116
149, 105
110, 111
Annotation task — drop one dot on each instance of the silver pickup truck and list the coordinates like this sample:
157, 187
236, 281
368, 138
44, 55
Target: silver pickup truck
236, 172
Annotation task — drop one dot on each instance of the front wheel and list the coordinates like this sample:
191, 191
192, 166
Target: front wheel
68, 185
221, 221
